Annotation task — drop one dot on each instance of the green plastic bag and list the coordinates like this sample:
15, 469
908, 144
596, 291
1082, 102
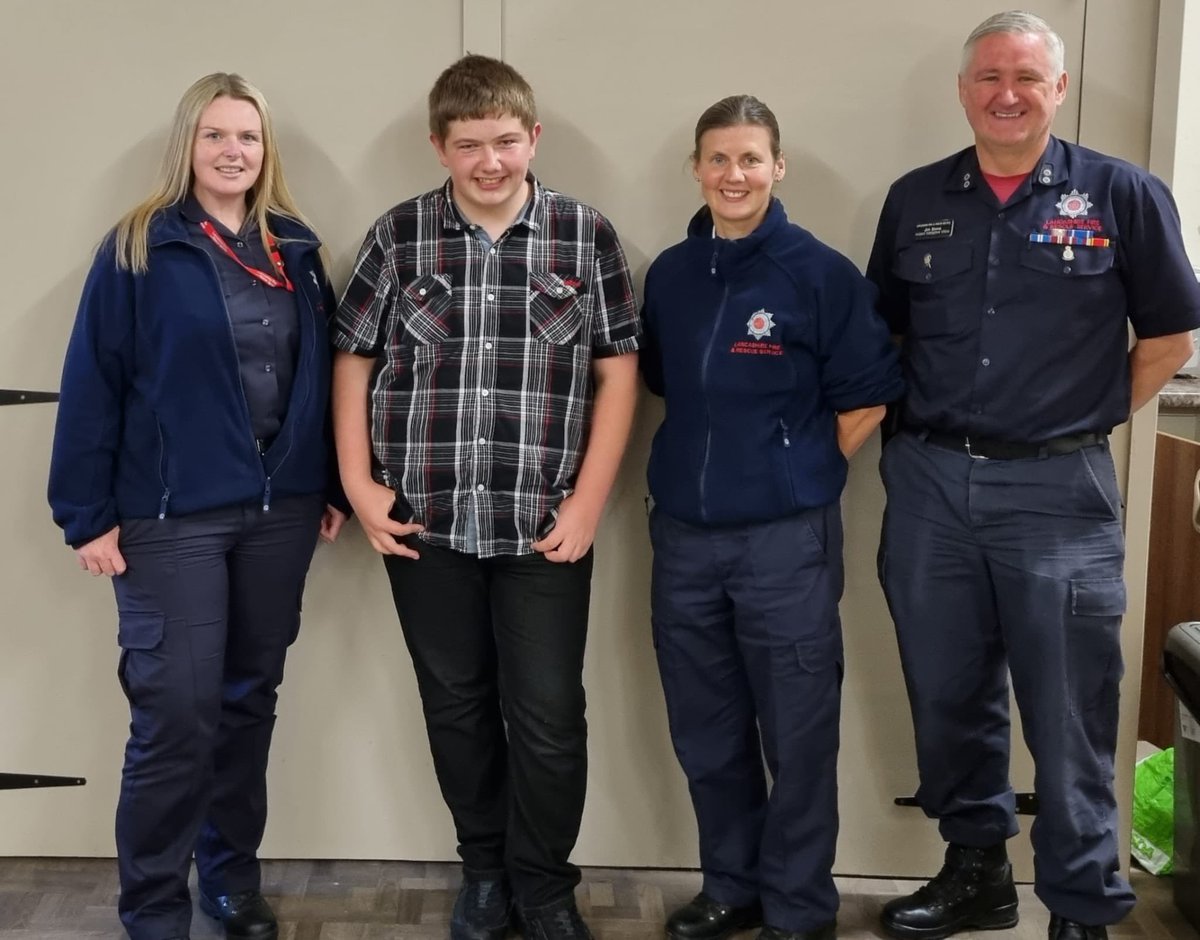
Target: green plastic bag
1154, 811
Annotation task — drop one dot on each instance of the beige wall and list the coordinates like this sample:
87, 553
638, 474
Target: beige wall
1176, 137
863, 90
1116, 117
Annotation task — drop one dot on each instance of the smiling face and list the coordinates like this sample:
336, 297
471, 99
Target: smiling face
488, 159
736, 171
227, 154
1010, 91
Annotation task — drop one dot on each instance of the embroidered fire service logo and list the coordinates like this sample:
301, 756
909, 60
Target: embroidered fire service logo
760, 324
1073, 204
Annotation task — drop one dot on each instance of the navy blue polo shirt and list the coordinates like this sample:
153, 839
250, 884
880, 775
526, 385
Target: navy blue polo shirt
1014, 316
266, 328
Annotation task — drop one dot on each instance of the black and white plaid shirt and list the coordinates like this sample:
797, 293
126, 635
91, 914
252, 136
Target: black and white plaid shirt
481, 398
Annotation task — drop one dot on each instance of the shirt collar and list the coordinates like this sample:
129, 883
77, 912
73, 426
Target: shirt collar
191, 210
532, 214
1050, 170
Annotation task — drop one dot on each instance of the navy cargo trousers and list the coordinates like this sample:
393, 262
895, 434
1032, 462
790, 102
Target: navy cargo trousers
999, 567
207, 608
749, 646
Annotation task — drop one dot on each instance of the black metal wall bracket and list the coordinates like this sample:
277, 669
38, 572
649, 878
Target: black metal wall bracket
1027, 803
29, 781
20, 396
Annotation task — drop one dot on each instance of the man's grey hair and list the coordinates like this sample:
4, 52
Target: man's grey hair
1016, 21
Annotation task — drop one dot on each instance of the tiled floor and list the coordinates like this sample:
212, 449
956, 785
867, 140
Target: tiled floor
71, 899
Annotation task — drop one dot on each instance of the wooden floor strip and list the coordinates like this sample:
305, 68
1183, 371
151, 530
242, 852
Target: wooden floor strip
75, 899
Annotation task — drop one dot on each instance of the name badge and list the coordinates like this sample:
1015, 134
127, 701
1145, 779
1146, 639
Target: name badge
942, 228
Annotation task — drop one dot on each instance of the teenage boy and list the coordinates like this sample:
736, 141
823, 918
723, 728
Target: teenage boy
483, 395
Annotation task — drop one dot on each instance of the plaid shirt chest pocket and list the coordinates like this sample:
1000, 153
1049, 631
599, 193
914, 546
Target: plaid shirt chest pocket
428, 309
559, 308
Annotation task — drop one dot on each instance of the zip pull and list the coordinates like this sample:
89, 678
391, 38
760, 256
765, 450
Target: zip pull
787, 441
162, 505
267, 496
712, 269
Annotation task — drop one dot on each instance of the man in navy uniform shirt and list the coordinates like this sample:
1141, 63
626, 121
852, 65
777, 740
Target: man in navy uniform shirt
1011, 271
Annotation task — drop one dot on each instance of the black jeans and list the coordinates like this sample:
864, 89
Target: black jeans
497, 646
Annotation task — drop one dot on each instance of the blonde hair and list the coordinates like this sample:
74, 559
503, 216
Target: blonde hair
477, 86
269, 194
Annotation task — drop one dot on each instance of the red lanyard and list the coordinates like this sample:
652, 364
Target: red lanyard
282, 281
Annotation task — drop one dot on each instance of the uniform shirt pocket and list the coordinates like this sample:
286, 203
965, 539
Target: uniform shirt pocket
928, 264
1082, 261
929, 271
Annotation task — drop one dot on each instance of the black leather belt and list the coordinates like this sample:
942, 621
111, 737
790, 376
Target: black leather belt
985, 448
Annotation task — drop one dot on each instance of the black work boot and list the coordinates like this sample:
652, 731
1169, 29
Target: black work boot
1063, 929
702, 918
973, 891
245, 915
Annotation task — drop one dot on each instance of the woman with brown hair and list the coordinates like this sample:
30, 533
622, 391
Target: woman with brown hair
774, 368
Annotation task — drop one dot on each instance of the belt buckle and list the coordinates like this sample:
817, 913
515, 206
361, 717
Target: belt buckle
972, 454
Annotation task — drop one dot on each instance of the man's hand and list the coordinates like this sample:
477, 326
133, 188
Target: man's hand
372, 504
101, 555
573, 532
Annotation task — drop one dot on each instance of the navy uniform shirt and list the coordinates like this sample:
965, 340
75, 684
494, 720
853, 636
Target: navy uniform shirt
1015, 317
266, 330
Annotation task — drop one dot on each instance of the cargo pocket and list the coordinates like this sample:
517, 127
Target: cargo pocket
136, 630
819, 654
1093, 643
140, 630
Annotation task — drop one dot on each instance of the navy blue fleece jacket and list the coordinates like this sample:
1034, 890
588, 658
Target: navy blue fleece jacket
756, 344
152, 420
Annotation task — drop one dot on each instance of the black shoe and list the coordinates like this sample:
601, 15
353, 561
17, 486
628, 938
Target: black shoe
973, 891
481, 910
559, 922
702, 918
828, 932
1063, 929
245, 915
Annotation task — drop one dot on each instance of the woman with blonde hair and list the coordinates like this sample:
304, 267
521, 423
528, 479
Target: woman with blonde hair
192, 465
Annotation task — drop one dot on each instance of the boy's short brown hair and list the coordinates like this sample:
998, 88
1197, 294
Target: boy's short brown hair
477, 86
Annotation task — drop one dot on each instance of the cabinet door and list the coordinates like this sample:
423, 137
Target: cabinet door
1172, 584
